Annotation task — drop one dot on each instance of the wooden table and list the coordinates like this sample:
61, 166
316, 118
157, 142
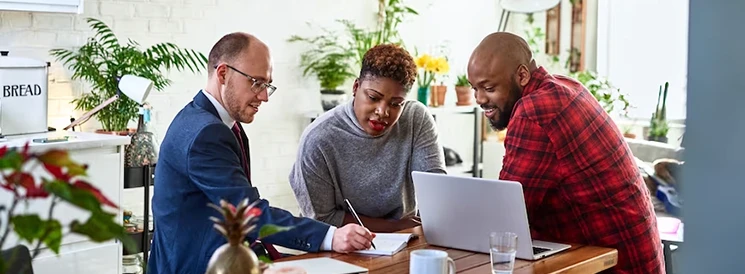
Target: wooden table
578, 259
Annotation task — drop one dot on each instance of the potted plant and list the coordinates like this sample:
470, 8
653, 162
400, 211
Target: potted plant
390, 14
330, 63
236, 256
658, 125
429, 67
440, 90
103, 59
65, 185
627, 132
463, 91
609, 97
333, 61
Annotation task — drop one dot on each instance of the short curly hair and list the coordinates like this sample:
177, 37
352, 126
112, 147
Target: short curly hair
389, 61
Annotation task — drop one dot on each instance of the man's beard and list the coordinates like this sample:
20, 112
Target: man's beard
231, 103
504, 115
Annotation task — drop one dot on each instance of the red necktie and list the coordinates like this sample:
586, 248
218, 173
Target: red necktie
273, 253
244, 160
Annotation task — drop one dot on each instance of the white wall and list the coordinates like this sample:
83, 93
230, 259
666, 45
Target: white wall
641, 45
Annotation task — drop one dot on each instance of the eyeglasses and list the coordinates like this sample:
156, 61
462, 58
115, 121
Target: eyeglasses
257, 85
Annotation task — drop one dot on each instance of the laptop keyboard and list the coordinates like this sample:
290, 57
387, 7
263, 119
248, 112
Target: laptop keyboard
538, 250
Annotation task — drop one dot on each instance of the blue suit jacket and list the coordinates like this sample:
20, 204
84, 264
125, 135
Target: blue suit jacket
199, 163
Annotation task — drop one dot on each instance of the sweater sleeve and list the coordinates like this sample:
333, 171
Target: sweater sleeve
428, 155
313, 185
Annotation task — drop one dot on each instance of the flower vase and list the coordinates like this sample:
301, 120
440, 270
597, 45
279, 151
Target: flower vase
422, 94
142, 151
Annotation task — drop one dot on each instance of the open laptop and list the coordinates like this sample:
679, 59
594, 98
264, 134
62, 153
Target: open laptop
460, 212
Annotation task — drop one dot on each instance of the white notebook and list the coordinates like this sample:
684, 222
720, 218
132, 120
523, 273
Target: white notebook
323, 265
388, 243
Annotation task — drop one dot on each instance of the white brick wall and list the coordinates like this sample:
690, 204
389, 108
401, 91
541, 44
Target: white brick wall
199, 23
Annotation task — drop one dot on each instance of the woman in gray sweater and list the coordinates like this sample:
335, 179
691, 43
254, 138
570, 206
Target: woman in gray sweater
366, 149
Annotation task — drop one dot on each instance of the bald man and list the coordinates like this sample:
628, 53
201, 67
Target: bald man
580, 180
204, 158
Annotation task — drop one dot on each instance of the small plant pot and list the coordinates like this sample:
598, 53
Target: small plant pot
438, 95
629, 135
661, 139
464, 96
332, 98
17, 260
137, 238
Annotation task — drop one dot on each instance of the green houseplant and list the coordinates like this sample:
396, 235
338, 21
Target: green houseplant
658, 126
103, 59
610, 97
65, 185
330, 63
390, 15
333, 61
463, 90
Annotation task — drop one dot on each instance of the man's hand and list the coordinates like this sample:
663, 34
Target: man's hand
351, 237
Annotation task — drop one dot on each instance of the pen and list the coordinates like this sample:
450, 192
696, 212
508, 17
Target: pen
357, 217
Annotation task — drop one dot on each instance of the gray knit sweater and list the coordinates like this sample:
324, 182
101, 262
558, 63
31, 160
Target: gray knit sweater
337, 159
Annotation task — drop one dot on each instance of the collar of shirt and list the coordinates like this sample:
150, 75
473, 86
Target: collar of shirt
224, 116
536, 78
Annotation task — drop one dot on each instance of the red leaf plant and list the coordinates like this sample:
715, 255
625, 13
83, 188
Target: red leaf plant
21, 176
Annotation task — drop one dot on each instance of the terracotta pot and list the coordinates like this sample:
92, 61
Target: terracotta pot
629, 135
120, 133
464, 95
438, 95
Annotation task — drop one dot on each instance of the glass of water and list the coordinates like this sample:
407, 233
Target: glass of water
502, 246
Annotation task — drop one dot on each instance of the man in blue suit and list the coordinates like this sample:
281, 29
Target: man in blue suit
204, 158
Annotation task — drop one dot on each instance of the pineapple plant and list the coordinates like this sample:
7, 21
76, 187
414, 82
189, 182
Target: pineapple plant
235, 256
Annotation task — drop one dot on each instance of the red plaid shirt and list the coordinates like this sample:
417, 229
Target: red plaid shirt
580, 180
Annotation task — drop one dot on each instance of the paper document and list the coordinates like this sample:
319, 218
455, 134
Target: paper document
388, 243
322, 266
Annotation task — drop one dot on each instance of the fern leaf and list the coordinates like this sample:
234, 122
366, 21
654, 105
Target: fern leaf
198, 60
187, 59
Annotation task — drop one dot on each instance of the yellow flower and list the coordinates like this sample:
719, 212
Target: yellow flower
430, 66
441, 65
423, 60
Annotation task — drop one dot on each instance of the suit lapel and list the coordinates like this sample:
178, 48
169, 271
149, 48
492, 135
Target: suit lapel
203, 102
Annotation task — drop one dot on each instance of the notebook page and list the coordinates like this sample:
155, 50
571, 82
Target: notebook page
387, 243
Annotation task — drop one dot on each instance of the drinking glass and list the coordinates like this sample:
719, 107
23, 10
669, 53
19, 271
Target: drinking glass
502, 246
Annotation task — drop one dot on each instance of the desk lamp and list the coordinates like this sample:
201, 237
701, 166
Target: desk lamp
522, 6
135, 87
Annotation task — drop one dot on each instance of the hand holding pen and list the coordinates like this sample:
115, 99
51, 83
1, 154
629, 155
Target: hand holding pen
354, 213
